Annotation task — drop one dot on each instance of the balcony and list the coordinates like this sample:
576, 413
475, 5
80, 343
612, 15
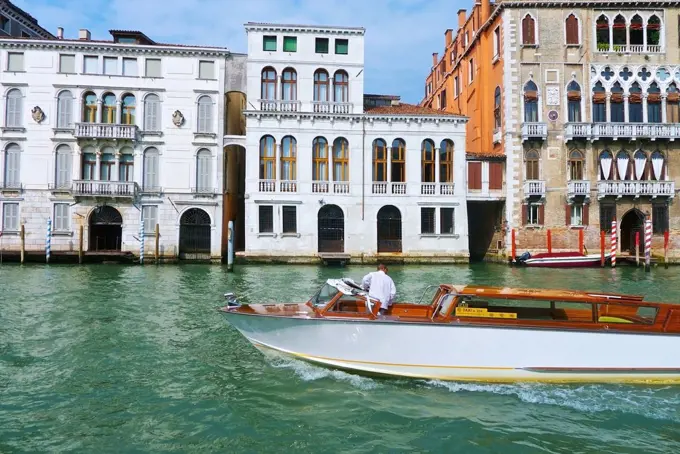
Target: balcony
534, 131
635, 131
578, 188
204, 192
331, 107
63, 187
320, 187
436, 189
277, 105
10, 186
534, 188
285, 186
577, 131
105, 131
605, 48
341, 188
384, 188
112, 189
635, 189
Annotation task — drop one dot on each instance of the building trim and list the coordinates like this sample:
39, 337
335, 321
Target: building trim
111, 87
292, 28
110, 47
259, 114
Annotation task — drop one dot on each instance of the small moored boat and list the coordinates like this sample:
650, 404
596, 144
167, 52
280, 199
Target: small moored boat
474, 333
561, 260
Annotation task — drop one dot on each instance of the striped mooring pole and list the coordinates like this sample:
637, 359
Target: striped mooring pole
648, 244
48, 241
614, 244
141, 242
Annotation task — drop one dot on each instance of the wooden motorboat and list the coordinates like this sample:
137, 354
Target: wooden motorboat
474, 333
561, 260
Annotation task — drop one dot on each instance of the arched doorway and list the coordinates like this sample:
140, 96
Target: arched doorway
194, 233
331, 229
631, 223
106, 229
389, 229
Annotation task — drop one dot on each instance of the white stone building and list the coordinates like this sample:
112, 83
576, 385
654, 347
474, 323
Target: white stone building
328, 177
107, 134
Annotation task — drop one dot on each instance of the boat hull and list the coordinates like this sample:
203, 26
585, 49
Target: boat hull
459, 352
583, 261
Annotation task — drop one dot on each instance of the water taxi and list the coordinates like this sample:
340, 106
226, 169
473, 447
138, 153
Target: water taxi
473, 333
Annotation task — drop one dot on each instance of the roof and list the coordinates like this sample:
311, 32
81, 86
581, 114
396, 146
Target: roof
109, 41
27, 16
333, 27
407, 109
547, 294
489, 154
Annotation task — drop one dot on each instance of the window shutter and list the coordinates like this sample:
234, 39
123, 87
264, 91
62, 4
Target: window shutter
495, 175
63, 169
541, 214
586, 213
151, 114
204, 115
203, 180
150, 169
525, 208
474, 175
14, 101
12, 163
567, 214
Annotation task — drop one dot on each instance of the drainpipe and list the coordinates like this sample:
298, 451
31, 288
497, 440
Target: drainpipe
363, 167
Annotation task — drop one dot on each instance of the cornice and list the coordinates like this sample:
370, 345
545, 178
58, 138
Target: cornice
13, 14
357, 118
103, 47
586, 3
289, 28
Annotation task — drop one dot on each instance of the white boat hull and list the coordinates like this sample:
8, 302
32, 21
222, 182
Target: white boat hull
465, 352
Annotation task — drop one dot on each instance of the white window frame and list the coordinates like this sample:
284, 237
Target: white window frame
146, 124
16, 120
496, 44
146, 68
533, 210
110, 60
72, 61
576, 215
211, 65
62, 221
10, 228
18, 55
94, 58
456, 87
151, 158
136, 65
204, 119
204, 171
149, 218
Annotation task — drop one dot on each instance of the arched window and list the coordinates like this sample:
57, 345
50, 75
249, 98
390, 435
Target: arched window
62, 177
531, 160
398, 161
341, 86
602, 34
654, 103
446, 161
340, 159
65, 110
204, 171
205, 119
289, 85
636, 32
320, 159
152, 112
150, 181
126, 165
497, 108
12, 166
129, 105
571, 26
288, 158
635, 104
107, 163
653, 31
599, 103
576, 160
528, 30
658, 166
14, 109
321, 85
622, 164
88, 164
530, 102
267, 158
379, 160
428, 162
109, 109
89, 108
606, 160
616, 104
268, 91
574, 102
672, 104
640, 165
619, 33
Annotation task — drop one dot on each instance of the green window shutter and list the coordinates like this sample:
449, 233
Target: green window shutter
341, 46
321, 45
269, 43
290, 44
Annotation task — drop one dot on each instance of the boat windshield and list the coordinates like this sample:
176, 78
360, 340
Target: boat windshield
325, 295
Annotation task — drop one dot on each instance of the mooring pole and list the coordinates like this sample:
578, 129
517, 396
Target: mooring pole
230, 246
648, 244
513, 246
581, 243
666, 235
549, 233
157, 235
637, 248
614, 244
80, 244
602, 243
22, 234
48, 241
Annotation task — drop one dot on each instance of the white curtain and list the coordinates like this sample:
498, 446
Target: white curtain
657, 166
622, 166
606, 164
640, 162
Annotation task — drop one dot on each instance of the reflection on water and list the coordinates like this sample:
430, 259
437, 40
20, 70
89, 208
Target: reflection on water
125, 359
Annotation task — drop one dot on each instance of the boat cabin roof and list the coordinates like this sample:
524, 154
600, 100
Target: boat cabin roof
347, 286
543, 294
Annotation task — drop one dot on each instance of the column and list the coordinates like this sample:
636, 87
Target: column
98, 117
644, 36
645, 116
664, 114
609, 107
611, 36
437, 161
97, 167
116, 170
626, 117
119, 113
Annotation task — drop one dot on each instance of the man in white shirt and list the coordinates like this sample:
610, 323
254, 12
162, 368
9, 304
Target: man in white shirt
381, 287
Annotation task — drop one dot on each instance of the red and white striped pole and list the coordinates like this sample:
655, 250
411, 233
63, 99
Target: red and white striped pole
648, 243
614, 244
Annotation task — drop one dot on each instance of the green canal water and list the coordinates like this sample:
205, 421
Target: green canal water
136, 359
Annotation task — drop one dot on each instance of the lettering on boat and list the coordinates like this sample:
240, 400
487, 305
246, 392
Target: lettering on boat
482, 312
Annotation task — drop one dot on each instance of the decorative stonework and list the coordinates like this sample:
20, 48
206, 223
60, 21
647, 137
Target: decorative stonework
37, 114
627, 75
552, 95
178, 118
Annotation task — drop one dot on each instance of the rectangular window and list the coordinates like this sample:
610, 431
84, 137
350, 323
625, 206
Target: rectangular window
4, 24
153, 67
456, 87
607, 213
62, 217
447, 224
111, 66
290, 44
15, 61
341, 46
475, 175
427, 220
321, 45
130, 67
266, 219
471, 70
289, 219
90, 64
576, 214
150, 218
269, 43
495, 175
496, 42
67, 64
442, 103
10, 217
533, 214
659, 219
206, 70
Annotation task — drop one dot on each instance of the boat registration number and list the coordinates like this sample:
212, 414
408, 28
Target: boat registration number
482, 312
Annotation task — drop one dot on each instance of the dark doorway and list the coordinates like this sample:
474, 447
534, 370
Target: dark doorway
632, 222
194, 234
106, 229
331, 226
389, 229
485, 227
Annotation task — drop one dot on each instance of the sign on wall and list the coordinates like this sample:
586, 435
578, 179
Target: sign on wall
552, 95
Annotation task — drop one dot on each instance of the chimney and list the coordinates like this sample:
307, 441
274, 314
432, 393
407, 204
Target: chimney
60, 32
461, 18
448, 36
435, 59
486, 10
84, 34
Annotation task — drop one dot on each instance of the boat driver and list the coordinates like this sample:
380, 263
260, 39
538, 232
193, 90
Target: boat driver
380, 287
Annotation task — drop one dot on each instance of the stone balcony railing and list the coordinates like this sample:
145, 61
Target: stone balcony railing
385, 188
534, 131
577, 131
635, 189
105, 131
436, 189
615, 131
113, 189
278, 105
331, 107
629, 48
534, 188
578, 188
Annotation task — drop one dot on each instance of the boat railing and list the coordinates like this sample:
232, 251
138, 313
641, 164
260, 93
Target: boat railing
420, 301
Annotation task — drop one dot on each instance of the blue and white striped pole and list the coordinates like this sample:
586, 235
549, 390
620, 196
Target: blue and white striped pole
48, 240
141, 242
